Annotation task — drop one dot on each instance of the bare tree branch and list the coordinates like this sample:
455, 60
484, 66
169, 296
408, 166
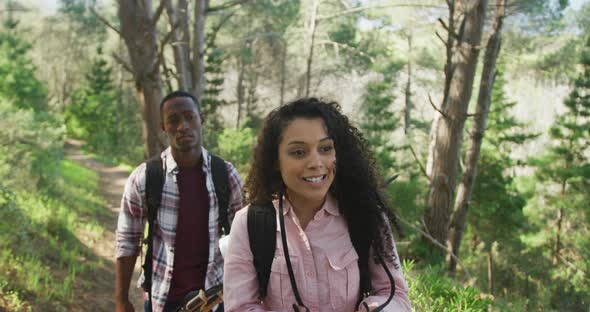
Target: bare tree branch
163, 44
123, 63
104, 21
159, 11
419, 163
436, 243
359, 9
436, 108
215, 29
347, 47
227, 5
441, 38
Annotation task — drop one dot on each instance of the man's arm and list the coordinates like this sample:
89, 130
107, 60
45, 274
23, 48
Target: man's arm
123, 273
128, 236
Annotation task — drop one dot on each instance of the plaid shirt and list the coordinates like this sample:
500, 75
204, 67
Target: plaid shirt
133, 214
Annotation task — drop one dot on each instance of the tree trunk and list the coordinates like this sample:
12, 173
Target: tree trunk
407, 112
138, 30
459, 219
310, 43
557, 243
198, 62
283, 70
179, 22
449, 130
240, 88
491, 272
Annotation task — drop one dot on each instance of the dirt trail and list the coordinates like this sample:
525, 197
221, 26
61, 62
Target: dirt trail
98, 293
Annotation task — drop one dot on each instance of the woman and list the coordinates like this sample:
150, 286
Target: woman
316, 169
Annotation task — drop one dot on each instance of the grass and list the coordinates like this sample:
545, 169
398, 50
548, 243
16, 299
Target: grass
42, 257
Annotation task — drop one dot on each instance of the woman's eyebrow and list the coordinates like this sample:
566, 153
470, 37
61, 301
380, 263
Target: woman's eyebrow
301, 142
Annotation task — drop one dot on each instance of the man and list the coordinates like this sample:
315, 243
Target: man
186, 252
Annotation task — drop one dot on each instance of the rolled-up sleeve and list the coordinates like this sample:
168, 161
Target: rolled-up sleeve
131, 219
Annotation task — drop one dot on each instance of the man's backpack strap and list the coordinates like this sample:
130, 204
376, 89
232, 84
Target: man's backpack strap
262, 227
154, 184
221, 183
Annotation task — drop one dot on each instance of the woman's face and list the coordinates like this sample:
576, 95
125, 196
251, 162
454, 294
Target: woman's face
307, 160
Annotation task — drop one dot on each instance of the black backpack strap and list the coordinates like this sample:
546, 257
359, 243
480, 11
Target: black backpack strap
262, 227
154, 184
221, 183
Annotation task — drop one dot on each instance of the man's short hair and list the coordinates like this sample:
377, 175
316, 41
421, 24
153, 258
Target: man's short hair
178, 94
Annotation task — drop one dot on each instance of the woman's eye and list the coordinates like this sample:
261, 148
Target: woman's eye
297, 153
327, 148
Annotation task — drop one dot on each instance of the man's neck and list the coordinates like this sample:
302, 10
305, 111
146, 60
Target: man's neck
187, 159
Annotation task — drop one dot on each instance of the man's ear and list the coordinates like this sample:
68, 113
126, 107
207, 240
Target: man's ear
202, 116
162, 126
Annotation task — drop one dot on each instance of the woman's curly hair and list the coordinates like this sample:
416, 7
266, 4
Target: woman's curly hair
355, 185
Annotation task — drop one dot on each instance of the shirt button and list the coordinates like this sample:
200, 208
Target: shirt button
309, 274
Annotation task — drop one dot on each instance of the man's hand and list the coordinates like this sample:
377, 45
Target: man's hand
125, 306
123, 272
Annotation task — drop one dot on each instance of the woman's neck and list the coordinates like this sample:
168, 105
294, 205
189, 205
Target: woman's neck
304, 209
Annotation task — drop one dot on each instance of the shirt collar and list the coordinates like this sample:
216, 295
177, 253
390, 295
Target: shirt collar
330, 206
172, 167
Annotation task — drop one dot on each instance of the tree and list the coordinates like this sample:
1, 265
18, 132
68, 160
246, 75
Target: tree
18, 82
379, 121
465, 27
459, 216
564, 171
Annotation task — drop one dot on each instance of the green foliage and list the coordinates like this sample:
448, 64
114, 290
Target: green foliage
235, 146
431, 290
378, 121
31, 144
211, 102
563, 178
39, 248
18, 82
99, 115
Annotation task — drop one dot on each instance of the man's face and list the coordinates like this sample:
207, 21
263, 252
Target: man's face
182, 123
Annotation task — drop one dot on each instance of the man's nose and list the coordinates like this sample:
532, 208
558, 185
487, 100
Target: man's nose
183, 124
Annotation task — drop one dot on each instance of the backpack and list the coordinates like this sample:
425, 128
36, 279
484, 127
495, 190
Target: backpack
262, 226
154, 181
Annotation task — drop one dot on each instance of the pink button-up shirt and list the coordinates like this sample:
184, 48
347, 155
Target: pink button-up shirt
324, 263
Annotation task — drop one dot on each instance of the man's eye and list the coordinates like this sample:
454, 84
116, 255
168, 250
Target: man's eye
189, 117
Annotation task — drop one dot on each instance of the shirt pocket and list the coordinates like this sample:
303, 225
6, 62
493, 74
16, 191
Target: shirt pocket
280, 295
343, 279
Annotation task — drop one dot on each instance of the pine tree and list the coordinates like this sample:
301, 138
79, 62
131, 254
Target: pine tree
18, 82
564, 173
379, 122
497, 213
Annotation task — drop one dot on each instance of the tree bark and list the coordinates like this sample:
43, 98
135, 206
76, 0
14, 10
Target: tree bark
491, 271
240, 89
557, 243
178, 19
449, 130
310, 43
138, 29
459, 218
198, 62
407, 112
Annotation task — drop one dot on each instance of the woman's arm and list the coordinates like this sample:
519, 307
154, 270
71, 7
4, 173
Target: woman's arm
240, 285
